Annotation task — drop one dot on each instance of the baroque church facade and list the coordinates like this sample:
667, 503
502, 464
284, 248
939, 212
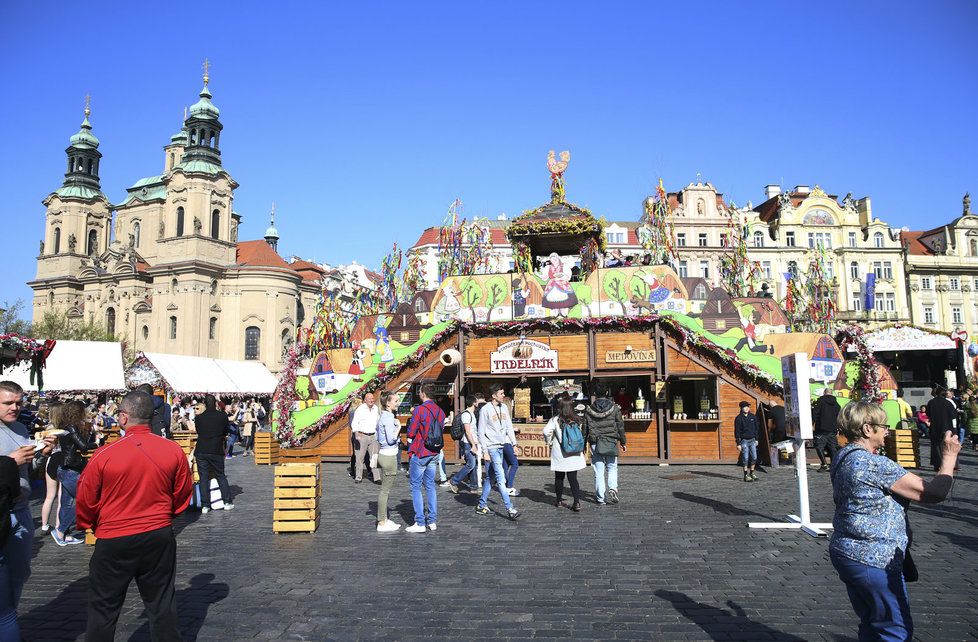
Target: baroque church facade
164, 269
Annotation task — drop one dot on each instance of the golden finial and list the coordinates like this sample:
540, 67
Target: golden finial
88, 105
207, 67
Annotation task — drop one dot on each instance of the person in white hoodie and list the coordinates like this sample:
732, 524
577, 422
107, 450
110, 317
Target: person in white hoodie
495, 430
389, 439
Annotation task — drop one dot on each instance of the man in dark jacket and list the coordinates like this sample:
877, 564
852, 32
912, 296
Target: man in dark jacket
942, 413
212, 430
604, 429
162, 415
746, 431
825, 418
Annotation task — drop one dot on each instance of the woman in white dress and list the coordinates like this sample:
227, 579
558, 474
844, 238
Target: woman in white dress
564, 464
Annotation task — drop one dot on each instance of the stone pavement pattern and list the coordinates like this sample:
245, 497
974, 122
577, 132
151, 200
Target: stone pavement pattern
674, 561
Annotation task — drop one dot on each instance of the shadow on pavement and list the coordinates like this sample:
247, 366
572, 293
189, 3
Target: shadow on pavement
67, 612
717, 622
720, 507
966, 541
193, 603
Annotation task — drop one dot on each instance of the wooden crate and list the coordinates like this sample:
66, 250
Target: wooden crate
187, 441
298, 487
903, 447
266, 448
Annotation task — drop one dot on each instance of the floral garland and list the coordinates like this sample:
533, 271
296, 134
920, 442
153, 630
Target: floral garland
725, 358
867, 384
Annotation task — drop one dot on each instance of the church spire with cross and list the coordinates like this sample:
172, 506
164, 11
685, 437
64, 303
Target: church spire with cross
203, 127
81, 179
271, 234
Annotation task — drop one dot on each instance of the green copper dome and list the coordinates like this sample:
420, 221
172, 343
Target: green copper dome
204, 108
85, 137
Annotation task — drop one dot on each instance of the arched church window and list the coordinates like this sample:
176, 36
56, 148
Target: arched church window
214, 286
57, 240
300, 312
92, 242
212, 329
51, 298
252, 341
145, 332
179, 221
110, 321
173, 328
973, 247
135, 234
215, 224
91, 166
71, 164
173, 286
286, 340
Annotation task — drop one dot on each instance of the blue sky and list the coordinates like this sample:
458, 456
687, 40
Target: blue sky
363, 121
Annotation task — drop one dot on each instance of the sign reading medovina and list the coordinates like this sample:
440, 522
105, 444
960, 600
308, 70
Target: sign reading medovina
629, 356
523, 356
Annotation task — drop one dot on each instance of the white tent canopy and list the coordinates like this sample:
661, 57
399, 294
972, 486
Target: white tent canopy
84, 366
191, 375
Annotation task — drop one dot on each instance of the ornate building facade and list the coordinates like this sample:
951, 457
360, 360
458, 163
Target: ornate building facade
164, 269
942, 272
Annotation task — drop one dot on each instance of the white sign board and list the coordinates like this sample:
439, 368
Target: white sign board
523, 356
795, 371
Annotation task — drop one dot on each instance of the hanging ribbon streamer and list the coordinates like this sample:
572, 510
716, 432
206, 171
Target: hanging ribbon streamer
655, 232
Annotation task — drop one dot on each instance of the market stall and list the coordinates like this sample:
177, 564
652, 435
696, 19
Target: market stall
196, 376
76, 367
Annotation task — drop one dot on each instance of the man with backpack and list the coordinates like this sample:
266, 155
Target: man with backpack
464, 432
426, 432
604, 429
160, 422
495, 431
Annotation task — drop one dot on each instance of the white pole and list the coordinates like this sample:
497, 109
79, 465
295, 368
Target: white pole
801, 465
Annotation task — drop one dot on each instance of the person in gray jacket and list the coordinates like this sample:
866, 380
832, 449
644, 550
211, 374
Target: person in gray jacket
495, 430
604, 429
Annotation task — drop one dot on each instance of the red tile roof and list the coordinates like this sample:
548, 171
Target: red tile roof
303, 265
142, 266
259, 254
430, 237
914, 244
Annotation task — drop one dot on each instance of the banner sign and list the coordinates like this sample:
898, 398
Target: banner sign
523, 356
629, 356
870, 290
796, 374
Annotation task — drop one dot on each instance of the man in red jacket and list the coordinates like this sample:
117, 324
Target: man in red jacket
129, 493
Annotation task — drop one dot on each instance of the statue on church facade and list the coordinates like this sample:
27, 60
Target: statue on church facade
198, 226
966, 202
40, 252
72, 242
162, 229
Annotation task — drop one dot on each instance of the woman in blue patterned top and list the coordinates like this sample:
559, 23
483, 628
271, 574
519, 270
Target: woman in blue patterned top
870, 539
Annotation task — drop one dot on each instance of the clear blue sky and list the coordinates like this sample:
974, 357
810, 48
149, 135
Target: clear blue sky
363, 121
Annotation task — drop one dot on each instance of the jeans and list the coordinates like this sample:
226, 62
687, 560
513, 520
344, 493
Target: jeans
600, 463
511, 464
69, 489
15, 568
232, 439
748, 451
496, 462
468, 468
879, 598
825, 440
423, 470
442, 473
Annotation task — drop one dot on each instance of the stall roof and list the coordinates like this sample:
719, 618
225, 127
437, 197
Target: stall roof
82, 366
185, 375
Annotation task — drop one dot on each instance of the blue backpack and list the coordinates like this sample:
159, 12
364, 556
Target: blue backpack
572, 439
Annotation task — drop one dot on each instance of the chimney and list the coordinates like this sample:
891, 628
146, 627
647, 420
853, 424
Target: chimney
803, 189
501, 217
770, 191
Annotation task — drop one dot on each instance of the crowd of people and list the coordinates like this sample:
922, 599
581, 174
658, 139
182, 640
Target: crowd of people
487, 442
105, 490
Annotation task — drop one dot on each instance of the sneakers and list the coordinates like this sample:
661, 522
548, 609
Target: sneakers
513, 514
576, 507
753, 477
446, 484
483, 510
823, 468
613, 496
432, 527
45, 528
69, 540
747, 476
512, 492
388, 527
415, 528
57, 538
452, 488
205, 510
228, 506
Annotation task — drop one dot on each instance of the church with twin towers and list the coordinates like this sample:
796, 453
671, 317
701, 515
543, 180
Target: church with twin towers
164, 269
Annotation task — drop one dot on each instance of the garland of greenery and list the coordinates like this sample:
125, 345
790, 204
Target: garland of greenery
724, 358
867, 384
16, 349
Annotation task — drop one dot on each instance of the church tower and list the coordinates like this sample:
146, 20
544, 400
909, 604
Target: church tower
78, 224
271, 234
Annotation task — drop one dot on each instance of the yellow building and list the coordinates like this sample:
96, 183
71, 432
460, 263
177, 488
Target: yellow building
164, 268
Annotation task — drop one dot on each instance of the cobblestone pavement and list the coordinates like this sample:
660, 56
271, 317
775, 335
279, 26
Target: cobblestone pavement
674, 561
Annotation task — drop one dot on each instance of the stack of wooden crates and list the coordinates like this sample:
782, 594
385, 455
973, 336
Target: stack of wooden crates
297, 491
903, 447
266, 448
